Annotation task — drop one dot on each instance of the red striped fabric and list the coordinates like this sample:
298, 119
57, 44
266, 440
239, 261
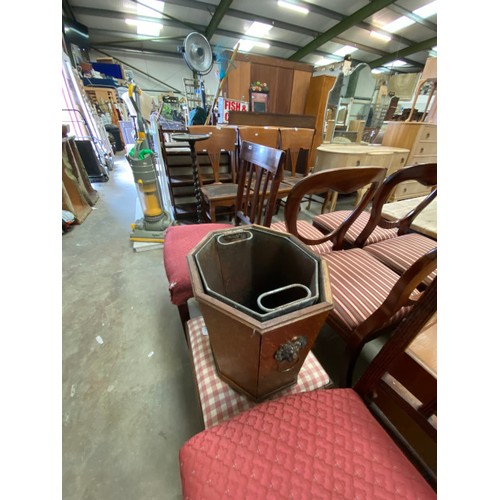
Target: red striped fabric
359, 284
308, 231
332, 221
401, 252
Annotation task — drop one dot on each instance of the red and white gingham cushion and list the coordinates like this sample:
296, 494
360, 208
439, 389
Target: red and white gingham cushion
218, 400
178, 242
323, 444
360, 283
333, 220
401, 252
307, 230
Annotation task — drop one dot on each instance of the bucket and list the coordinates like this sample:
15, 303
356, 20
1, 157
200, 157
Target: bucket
264, 297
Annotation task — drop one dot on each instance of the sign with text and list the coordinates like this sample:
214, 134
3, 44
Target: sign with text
225, 105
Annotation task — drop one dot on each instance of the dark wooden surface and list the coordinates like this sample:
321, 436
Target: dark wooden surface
272, 119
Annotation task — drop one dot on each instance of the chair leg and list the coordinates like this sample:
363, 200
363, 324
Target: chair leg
351, 355
184, 315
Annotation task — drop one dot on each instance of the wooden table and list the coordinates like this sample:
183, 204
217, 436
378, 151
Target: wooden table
425, 222
423, 349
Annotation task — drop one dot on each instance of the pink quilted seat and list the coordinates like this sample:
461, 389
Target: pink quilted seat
323, 444
307, 230
329, 222
178, 242
360, 283
401, 252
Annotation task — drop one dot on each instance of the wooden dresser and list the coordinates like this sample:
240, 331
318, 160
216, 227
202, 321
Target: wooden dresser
421, 139
356, 155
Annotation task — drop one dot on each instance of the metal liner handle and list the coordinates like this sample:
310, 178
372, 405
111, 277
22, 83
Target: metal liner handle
278, 290
234, 237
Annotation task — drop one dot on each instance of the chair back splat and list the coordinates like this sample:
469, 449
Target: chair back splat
342, 181
297, 143
371, 226
259, 173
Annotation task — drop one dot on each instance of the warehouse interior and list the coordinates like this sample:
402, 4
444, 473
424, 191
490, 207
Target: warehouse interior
112, 375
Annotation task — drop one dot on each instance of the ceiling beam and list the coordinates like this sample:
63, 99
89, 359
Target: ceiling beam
217, 16
418, 47
340, 27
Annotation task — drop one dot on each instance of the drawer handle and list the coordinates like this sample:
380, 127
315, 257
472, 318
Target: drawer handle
402, 160
421, 150
358, 163
428, 135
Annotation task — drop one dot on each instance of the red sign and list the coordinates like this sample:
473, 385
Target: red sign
226, 105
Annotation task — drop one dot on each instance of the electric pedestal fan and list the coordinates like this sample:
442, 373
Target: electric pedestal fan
198, 55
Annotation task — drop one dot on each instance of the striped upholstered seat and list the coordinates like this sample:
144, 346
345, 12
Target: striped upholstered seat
401, 252
327, 223
360, 284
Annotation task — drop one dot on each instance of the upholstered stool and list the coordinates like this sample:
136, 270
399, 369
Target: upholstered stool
178, 242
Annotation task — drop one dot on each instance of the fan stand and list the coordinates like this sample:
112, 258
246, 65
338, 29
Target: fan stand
191, 139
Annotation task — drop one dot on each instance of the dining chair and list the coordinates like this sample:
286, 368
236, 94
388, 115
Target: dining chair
258, 165
219, 195
327, 443
370, 297
297, 143
390, 241
371, 227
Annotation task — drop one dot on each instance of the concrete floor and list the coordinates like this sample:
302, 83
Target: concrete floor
129, 402
128, 397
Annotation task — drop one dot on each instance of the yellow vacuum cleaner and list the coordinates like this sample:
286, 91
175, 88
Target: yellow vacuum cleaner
151, 227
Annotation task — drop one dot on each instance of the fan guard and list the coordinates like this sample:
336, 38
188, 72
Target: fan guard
197, 53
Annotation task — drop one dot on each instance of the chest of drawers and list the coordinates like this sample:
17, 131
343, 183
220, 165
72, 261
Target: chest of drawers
421, 140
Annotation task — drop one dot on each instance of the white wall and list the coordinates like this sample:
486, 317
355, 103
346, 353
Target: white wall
169, 70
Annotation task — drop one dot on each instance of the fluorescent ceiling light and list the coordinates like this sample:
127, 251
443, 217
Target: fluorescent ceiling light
145, 28
149, 8
378, 71
346, 49
248, 45
402, 22
292, 6
149, 29
395, 64
427, 10
380, 36
398, 24
258, 29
